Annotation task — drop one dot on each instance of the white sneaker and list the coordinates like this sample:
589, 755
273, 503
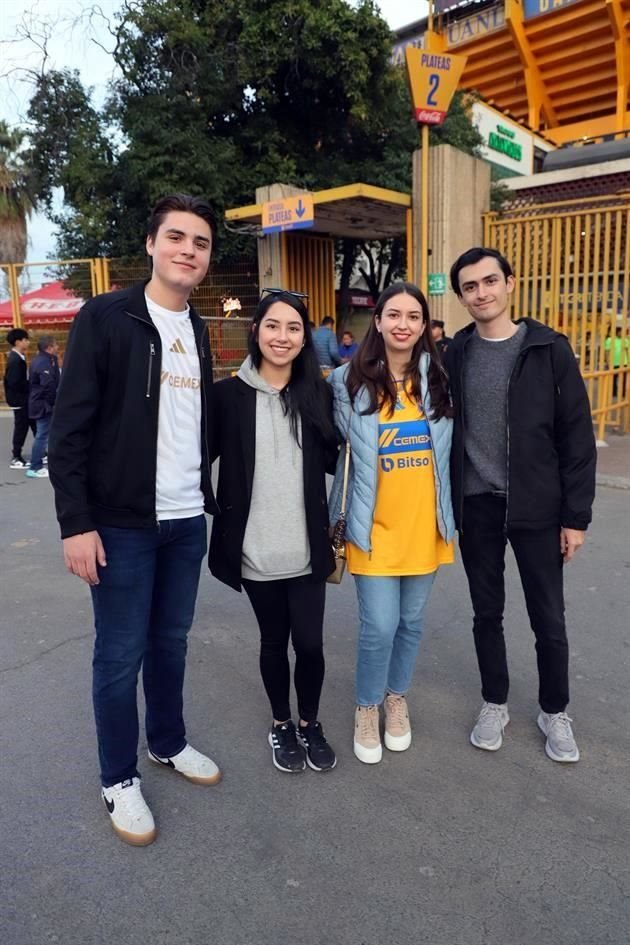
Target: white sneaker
488, 730
129, 813
192, 764
37, 473
560, 744
17, 463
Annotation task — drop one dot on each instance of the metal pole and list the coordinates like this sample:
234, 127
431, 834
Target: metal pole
424, 212
14, 292
409, 233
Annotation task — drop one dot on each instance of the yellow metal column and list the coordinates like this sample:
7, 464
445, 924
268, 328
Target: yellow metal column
14, 292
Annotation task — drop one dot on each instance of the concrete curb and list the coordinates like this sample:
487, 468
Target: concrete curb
613, 482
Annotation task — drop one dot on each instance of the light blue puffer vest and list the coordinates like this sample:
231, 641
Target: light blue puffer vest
362, 479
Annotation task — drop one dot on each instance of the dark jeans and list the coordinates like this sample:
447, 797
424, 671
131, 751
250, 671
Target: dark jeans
539, 561
143, 610
40, 443
21, 425
293, 608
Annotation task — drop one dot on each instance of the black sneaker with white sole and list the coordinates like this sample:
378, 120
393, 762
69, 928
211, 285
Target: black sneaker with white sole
319, 754
288, 754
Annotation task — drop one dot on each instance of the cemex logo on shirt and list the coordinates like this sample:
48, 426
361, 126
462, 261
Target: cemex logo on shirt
408, 442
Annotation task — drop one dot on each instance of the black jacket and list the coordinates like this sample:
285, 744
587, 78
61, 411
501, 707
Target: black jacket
551, 447
102, 451
43, 384
16, 380
235, 442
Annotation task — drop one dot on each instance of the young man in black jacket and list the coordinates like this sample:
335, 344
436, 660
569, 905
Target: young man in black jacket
129, 462
16, 393
523, 470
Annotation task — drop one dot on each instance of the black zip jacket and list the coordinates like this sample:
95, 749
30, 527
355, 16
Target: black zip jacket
551, 446
43, 385
16, 380
235, 442
102, 449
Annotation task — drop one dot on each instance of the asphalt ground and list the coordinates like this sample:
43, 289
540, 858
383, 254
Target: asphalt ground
443, 844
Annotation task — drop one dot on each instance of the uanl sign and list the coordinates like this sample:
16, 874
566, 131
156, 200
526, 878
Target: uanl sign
466, 28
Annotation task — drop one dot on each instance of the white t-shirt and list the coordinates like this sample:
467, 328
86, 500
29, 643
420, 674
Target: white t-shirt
178, 480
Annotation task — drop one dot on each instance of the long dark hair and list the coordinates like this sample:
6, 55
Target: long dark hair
369, 368
307, 396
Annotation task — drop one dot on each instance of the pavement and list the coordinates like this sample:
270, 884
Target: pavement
441, 845
613, 462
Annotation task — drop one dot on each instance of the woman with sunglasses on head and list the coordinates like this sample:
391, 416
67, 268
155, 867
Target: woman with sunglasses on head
392, 403
274, 434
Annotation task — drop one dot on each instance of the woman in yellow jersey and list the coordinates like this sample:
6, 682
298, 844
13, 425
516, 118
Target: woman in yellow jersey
391, 401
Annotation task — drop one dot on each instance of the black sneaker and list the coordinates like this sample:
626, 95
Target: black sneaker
319, 754
288, 754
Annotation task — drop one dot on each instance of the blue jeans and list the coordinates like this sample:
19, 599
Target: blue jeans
40, 443
391, 610
143, 610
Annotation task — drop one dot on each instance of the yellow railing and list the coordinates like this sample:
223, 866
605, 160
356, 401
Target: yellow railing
571, 261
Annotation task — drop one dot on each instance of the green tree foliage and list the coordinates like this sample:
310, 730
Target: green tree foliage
217, 97
16, 195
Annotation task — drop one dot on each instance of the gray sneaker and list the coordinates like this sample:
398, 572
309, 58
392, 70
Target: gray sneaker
560, 744
488, 730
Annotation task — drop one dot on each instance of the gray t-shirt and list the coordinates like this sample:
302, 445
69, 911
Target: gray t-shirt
487, 369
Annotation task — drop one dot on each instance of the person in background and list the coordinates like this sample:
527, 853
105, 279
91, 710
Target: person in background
617, 356
16, 394
43, 384
325, 343
274, 434
130, 466
392, 403
523, 471
441, 340
347, 347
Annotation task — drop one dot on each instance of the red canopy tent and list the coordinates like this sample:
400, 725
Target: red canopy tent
49, 304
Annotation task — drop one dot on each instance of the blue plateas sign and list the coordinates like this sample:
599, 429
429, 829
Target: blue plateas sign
290, 213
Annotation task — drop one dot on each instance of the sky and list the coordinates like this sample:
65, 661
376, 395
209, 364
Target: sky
69, 46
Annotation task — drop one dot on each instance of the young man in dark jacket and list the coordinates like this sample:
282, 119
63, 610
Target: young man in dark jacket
16, 393
523, 470
130, 464
43, 384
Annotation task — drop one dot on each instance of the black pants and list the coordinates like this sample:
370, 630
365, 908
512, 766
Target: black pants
539, 560
21, 425
293, 608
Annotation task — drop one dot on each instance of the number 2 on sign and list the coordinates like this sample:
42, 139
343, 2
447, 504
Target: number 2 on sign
434, 81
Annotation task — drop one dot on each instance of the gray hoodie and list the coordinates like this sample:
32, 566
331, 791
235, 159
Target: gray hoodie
276, 543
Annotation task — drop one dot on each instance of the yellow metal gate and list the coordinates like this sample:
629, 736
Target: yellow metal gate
571, 262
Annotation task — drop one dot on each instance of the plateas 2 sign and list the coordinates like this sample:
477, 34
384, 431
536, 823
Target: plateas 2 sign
433, 80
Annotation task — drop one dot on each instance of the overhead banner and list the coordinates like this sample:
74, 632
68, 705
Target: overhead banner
532, 8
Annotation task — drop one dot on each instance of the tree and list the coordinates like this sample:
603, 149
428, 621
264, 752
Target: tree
216, 98
16, 196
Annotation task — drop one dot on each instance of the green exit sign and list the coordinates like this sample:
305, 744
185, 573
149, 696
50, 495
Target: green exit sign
437, 283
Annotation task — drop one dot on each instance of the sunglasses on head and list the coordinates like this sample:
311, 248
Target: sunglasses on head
296, 295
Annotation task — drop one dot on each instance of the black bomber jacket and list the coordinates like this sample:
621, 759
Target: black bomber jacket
551, 445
